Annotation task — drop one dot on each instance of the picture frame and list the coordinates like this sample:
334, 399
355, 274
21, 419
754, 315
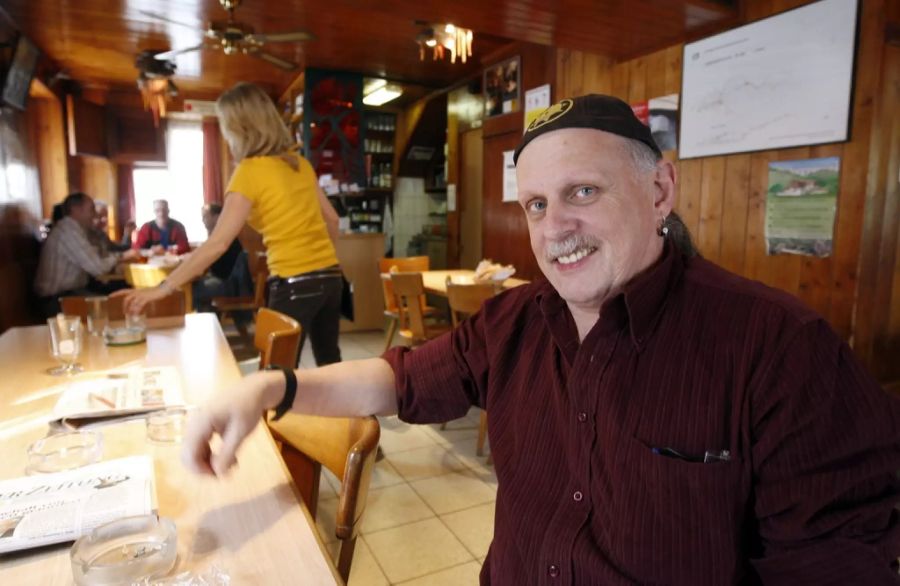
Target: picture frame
502, 87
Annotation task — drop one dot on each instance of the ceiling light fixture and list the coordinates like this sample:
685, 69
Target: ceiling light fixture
380, 92
442, 38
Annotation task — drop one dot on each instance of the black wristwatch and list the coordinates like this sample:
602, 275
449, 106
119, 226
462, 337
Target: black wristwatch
290, 391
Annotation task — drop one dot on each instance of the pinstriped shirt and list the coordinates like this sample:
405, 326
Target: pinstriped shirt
599, 445
67, 260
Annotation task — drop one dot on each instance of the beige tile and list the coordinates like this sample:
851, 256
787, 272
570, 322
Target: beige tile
474, 527
425, 462
487, 475
364, 570
326, 488
326, 519
464, 449
446, 437
400, 437
416, 550
392, 506
384, 474
463, 575
332, 481
453, 492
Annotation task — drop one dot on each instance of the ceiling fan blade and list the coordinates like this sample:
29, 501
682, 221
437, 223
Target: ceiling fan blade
168, 55
294, 37
277, 61
167, 19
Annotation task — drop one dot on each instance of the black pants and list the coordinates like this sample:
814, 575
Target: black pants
314, 300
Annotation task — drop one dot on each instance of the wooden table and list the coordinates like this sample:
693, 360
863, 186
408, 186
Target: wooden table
250, 524
436, 281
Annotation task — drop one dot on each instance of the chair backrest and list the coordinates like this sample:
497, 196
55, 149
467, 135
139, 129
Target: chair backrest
347, 447
409, 264
465, 300
409, 289
277, 338
158, 312
140, 276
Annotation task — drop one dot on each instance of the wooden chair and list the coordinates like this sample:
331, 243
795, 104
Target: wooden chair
277, 337
228, 306
142, 276
414, 264
166, 312
345, 446
466, 300
409, 290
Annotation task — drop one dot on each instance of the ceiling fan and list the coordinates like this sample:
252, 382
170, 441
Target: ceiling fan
232, 37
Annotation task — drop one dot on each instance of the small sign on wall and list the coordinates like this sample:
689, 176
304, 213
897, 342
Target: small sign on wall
536, 101
510, 188
451, 197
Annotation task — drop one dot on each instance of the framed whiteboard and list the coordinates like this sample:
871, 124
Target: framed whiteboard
780, 82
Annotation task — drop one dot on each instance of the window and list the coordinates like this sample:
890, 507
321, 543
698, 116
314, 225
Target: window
180, 182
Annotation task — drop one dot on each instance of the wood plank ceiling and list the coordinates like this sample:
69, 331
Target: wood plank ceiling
95, 41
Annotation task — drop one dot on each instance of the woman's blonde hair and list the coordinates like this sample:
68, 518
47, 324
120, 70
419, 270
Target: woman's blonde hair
251, 124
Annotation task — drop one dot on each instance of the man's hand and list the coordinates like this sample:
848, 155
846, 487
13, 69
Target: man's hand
129, 255
232, 416
158, 249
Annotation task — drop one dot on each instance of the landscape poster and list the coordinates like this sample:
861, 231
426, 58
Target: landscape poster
801, 205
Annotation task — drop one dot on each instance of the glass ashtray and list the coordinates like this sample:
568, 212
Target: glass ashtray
166, 426
64, 451
125, 336
125, 551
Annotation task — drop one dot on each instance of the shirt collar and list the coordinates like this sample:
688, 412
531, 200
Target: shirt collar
637, 307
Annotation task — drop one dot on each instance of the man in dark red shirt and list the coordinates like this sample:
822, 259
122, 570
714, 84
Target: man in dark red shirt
162, 232
654, 419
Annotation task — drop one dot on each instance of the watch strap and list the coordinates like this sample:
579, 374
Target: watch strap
290, 391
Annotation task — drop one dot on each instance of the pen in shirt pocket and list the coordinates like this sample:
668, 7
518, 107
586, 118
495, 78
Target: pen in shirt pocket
710, 456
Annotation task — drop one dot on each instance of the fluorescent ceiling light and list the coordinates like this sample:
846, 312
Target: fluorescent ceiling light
383, 95
373, 83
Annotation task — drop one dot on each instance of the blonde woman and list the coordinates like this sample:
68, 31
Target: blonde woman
276, 191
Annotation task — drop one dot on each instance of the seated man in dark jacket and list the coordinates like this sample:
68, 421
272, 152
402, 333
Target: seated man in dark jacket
226, 276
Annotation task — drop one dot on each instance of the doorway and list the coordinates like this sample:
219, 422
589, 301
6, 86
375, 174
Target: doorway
470, 198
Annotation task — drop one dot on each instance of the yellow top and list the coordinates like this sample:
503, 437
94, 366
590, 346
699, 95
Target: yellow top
286, 212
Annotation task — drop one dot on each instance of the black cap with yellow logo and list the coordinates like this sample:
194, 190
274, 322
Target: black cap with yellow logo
592, 111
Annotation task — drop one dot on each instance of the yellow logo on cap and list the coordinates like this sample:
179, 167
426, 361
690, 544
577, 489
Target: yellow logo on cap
554, 112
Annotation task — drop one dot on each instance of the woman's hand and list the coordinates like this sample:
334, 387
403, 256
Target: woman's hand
137, 299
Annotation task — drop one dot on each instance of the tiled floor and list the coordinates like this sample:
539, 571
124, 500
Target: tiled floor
430, 514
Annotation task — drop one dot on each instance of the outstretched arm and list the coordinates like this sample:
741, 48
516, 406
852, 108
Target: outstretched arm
346, 389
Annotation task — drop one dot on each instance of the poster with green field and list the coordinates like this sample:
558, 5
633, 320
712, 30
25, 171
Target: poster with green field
801, 205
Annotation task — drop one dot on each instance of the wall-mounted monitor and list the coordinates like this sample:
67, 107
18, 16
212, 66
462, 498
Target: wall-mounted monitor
17, 81
783, 81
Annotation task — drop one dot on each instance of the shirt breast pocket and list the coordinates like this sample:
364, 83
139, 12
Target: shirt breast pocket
680, 512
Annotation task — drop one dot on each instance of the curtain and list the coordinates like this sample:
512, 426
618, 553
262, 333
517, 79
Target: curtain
125, 205
212, 162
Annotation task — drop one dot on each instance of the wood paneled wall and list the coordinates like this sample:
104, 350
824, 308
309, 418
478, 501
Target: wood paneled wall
877, 317
722, 199
504, 230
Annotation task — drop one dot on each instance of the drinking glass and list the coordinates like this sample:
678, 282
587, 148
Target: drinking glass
65, 343
97, 316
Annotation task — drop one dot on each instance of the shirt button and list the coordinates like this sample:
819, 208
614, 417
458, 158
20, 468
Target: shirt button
582, 417
577, 496
553, 570
592, 357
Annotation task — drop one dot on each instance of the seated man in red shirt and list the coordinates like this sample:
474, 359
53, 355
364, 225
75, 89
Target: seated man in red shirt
654, 418
162, 232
